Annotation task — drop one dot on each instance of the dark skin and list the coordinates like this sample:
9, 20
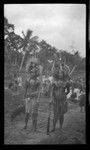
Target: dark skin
31, 87
58, 115
27, 86
68, 87
57, 108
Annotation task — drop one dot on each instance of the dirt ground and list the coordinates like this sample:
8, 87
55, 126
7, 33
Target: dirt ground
73, 131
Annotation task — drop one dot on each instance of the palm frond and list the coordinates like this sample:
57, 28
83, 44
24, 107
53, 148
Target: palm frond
35, 38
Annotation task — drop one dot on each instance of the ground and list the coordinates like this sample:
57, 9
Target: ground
73, 131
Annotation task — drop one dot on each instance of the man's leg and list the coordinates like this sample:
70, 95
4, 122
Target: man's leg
34, 121
84, 108
35, 127
27, 107
54, 123
35, 115
26, 120
81, 108
61, 120
55, 118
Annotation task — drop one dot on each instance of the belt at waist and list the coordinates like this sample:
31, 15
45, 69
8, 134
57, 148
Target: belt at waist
31, 95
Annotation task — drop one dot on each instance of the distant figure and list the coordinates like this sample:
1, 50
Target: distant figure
11, 84
7, 94
8, 99
77, 91
20, 81
82, 101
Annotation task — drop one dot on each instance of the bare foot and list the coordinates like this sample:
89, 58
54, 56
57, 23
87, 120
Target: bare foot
48, 133
25, 127
52, 130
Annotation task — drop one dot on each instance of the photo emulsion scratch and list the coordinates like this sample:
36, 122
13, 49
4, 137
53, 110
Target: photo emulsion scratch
45, 77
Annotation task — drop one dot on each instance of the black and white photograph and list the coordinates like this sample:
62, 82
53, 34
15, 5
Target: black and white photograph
45, 74
89, 51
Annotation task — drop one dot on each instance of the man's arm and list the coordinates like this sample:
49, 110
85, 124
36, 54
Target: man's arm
68, 87
51, 94
26, 87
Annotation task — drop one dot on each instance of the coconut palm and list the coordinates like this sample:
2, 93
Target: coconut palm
30, 45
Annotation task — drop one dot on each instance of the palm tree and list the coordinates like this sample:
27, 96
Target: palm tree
30, 45
16, 43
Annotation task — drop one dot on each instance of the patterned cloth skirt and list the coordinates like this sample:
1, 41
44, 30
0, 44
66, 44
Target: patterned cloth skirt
60, 108
31, 105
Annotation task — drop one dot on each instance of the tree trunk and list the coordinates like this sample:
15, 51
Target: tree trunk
22, 61
15, 62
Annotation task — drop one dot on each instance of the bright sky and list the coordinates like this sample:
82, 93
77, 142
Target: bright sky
60, 25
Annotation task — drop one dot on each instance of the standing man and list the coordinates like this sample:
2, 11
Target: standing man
60, 78
32, 92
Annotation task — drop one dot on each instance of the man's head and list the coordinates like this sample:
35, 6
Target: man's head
62, 62
32, 81
56, 57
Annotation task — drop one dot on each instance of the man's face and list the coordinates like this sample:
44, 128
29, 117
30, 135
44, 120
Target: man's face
62, 63
31, 63
55, 57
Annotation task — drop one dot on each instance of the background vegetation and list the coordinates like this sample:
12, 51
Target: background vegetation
17, 50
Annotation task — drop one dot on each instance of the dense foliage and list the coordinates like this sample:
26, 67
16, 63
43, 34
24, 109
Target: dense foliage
19, 49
